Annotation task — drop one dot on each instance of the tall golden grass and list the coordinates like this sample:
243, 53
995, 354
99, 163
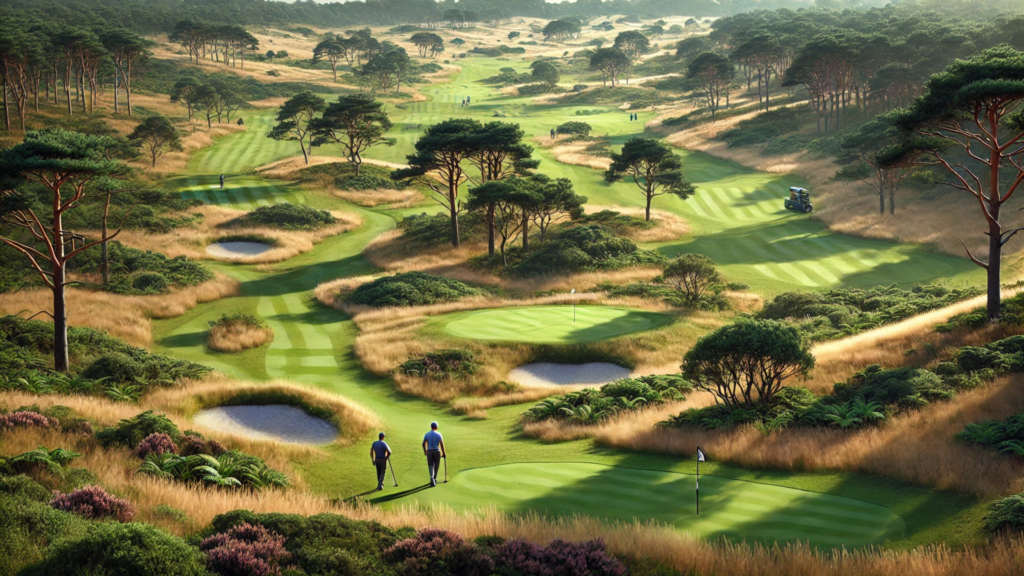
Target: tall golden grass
567, 150
290, 168
667, 226
216, 223
124, 317
237, 336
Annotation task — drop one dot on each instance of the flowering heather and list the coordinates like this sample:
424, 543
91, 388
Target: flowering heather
440, 553
246, 550
192, 444
95, 503
560, 558
26, 419
156, 443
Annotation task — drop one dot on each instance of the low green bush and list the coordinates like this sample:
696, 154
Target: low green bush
843, 312
134, 271
288, 217
581, 249
114, 549
410, 289
436, 229
230, 469
591, 405
28, 526
1011, 313
131, 431
1005, 515
249, 320
574, 128
539, 88
445, 363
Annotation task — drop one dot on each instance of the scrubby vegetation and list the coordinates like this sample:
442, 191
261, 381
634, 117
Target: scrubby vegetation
580, 249
446, 363
134, 271
104, 365
1012, 314
288, 217
592, 405
435, 230
343, 175
410, 289
237, 332
843, 312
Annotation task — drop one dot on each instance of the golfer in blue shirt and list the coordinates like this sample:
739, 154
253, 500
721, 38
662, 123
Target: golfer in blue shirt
379, 454
433, 448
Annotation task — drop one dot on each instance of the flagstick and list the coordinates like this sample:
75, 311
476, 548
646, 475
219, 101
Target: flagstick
698, 487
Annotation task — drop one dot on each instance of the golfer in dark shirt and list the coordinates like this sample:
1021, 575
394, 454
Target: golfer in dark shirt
379, 454
433, 447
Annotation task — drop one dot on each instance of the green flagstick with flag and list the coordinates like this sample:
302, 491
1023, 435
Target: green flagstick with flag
700, 458
573, 305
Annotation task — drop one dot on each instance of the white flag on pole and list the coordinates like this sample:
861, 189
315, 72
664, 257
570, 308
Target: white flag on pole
700, 455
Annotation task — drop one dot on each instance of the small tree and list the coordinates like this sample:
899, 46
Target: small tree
208, 100
270, 55
440, 152
331, 50
184, 91
295, 118
975, 107
632, 43
745, 363
611, 63
125, 47
427, 43
882, 161
504, 203
156, 135
581, 129
692, 275
513, 35
65, 163
655, 169
715, 73
355, 122
555, 201
545, 73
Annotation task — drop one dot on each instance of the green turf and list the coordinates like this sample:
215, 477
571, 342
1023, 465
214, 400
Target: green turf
735, 509
313, 344
550, 324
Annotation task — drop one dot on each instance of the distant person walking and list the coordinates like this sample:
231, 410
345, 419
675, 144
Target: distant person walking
433, 448
552, 133
379, 454
222, 181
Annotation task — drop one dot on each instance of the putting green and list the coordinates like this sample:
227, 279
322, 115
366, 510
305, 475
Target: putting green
551, 324
731, 508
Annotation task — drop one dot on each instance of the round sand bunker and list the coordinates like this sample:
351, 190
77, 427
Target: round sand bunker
237, 249
550, 374
268, 422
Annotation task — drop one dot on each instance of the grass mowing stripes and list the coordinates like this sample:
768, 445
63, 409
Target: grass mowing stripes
550, 324
731, 508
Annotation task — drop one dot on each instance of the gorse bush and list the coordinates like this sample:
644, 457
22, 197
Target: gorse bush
28, 526
445, 363
1005, 515
582, 249
134, 271
94, 503
842, 312
288, 217
238, 318
410, 289
592, 405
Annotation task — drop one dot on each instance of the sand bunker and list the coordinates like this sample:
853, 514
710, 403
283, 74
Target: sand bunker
550, 374
268, 422
237, 249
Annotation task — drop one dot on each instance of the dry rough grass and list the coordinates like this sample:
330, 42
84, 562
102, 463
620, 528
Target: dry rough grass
216, 224
124, 317
667, 226
289, 168
236, 337
567, 150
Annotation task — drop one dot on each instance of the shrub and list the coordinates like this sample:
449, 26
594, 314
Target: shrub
116, 367
227, 470
193, 443
368, 182
135, 271
410, 289
439, 553
692, 275
24, 488
156, 443
26, 419
227, 320
590, 405
111, 549
150, 283
560, 557
583, 249
94, 503
28, 526
288, 217
445, 363
581, 129
131, 431
246, 550
1006, 515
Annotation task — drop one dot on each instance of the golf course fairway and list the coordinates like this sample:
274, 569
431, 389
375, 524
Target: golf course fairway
551, 324
735, 509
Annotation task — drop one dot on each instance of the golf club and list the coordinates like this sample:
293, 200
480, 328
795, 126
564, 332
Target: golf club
445, 458
392, 471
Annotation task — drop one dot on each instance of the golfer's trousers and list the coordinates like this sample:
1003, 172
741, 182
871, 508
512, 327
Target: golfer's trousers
433, 463
382, 470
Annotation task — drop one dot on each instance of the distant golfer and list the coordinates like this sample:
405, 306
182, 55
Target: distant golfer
379, 454
222, 181
433, 447
552, 133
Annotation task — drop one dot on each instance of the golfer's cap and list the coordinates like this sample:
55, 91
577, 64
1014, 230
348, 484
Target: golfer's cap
433, 425
381, 435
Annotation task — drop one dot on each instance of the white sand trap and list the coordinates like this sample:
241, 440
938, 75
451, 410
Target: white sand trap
237, 249
548, 374
269, 422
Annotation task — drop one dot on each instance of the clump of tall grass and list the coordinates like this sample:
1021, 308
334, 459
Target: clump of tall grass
237, 332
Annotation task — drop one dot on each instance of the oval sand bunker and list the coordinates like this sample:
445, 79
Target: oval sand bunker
238, 249
268, 422
551, 374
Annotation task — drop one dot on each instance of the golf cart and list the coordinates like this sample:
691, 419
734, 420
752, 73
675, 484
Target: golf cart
799, 200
